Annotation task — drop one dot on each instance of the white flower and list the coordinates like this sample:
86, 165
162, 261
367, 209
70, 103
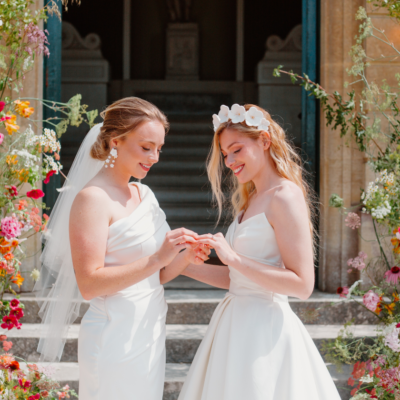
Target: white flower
253, 117
35, 274
223, 114
216, 122
264, 125
29, 159
114, 152
237, 114
392, 337
352, 287
367, 379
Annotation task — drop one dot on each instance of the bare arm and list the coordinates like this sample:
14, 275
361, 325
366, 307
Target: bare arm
214, 275
182, 260
288, 215
89, 223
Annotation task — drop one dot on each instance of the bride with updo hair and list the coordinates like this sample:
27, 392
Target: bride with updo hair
110, 244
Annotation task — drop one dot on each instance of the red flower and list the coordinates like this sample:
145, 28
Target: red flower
25, 384
9, 322
34, 397
372, 393
14, 303
17, 312
49, 174
35, 194
2, 105
14, 366
342, 291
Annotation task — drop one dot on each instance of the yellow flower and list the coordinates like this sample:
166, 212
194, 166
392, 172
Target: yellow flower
17, 279
10, 123
23, 109
23, 175
390, 308
396, 297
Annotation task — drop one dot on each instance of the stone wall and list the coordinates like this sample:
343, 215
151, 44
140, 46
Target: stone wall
343, 168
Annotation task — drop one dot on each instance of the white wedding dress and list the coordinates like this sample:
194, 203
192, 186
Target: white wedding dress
121, 350
255, 347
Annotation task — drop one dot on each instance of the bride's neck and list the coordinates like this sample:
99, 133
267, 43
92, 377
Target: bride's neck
115, 177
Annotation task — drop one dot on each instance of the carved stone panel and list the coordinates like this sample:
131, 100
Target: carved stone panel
182, 51
279, 96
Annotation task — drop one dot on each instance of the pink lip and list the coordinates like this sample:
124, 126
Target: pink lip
146, 169
237, 173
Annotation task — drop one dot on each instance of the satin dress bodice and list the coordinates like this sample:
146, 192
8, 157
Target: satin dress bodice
122, 337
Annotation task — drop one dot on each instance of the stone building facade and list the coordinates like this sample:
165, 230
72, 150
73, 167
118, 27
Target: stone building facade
188, 57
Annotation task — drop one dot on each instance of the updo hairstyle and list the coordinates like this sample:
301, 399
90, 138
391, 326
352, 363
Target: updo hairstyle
120, 119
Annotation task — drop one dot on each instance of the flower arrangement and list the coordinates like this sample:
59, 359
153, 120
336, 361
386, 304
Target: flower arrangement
20, 380
29, 157
371, 117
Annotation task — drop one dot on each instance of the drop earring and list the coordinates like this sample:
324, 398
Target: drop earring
114, 154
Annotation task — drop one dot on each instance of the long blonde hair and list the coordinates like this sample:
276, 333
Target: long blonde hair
285, 158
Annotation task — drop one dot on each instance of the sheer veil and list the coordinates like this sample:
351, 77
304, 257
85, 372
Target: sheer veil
56, 290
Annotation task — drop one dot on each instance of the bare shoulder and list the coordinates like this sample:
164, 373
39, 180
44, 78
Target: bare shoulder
288, 198
91, 198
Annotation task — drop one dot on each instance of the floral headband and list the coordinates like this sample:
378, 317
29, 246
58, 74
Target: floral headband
238, 114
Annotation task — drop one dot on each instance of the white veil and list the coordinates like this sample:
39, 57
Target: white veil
56, 290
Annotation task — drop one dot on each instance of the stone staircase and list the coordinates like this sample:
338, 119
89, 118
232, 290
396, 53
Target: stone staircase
189, 312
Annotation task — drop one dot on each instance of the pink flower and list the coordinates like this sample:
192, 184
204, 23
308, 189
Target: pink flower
2, 105
10, 269
17, 312
37, 38
14, 303
342, 291
353, 221
7, 346
10, 228
371, 300
34, 397
1, 138
35, 194
358, 262
49, 174
9, 322
392, 339
393, 275
3, 337
25, 384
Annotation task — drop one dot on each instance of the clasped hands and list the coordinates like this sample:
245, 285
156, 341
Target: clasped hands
201, 245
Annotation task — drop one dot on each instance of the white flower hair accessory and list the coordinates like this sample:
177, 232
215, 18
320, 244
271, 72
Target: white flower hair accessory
237, 114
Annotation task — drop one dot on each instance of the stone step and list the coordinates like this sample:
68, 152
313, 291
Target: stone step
180, 180
188, 140
175, 375
179, 195
179, 167
190, 213
181, 344
196, 304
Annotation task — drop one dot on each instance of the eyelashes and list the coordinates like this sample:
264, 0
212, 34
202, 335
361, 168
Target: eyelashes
237, 151
144, 148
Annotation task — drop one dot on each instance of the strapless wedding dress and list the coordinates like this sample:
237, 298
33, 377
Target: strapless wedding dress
255, 347
121, 350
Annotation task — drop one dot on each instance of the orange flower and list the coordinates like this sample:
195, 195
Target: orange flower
17, 279
9, 256
14, 243
395, 243
396, 297
22, 175
390, 307
12, 160
23, 109
22, 205
10, 124
5, 361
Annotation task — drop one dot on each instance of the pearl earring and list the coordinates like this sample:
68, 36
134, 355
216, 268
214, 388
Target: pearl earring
113, 153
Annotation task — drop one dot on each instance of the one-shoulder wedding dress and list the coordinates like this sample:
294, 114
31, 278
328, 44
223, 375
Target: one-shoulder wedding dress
255, 347
121, 347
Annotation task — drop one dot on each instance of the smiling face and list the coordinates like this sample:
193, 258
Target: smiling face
245, 156
139, 150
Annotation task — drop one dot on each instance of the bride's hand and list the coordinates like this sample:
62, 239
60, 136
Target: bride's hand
221, 246
174, 242
197, 254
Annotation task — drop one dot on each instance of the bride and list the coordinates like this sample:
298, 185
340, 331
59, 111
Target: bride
255, 347
119, 252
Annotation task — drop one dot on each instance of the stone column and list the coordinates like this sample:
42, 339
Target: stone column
342, 167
